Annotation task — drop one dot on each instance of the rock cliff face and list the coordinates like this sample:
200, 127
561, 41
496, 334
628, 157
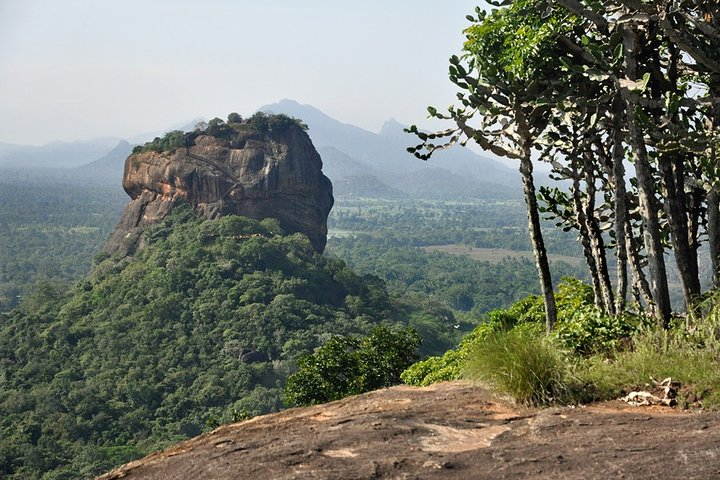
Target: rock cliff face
244, 171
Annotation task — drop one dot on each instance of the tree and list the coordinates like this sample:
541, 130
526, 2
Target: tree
347, 365
593, 85
503, 71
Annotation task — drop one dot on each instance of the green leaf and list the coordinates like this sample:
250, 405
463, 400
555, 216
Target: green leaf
645, 81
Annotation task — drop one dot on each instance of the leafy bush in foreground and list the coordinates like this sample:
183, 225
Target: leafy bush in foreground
589, 357
350, 365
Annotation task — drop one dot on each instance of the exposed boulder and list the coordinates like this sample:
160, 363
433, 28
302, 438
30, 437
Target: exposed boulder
264, 167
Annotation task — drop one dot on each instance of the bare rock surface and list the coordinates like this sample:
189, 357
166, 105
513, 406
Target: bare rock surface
257, 175
449, 430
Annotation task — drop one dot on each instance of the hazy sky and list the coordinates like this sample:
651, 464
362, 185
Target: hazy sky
77, 69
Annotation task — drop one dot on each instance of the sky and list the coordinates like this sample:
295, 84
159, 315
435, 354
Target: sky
79, 69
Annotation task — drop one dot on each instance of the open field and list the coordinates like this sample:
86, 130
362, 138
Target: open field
495, 255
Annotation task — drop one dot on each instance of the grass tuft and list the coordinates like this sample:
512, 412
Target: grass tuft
518, 363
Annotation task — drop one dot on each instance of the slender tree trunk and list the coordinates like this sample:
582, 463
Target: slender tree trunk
618, 182
584, 235
713, 195
672, 168
678, 221
646, 187
641, 288
713, 230
596, 240
694, 213
536, 237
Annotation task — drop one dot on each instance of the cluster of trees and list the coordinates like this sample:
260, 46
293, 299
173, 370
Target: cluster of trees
455, 283
217, 127
601, 89
348, 365
202, 326
483, 224
49, 231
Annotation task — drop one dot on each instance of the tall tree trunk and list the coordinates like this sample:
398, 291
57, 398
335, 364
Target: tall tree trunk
678, 221
694, 213
536, 237
646, 187
640, 283
672, 168
618, 182
713, 195
596, 240
713, 230
584, 235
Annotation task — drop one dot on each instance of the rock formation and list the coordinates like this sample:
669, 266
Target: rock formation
255, 169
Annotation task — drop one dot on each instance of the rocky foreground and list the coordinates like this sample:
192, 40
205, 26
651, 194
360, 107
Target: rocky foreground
450, 430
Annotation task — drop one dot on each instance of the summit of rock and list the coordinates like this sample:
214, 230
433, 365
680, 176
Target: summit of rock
263, 167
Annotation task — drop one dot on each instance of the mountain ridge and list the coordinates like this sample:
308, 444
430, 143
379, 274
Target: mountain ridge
359, 162
385, 153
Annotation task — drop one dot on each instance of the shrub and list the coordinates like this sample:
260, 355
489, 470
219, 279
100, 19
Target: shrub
449, 365
528, 368
433, 369
218, 128
350, 365
587, 330
170, 141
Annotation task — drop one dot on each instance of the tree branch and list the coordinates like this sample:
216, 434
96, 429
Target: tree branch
687, 45
579, 9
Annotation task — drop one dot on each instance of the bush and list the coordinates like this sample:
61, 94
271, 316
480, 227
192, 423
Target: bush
528, 368
171, 140
264, 123
433, 370
449, 366
586, 331
350, 365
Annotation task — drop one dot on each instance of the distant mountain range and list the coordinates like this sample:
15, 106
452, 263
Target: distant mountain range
61, 155
359, 162
364, 163
56, 154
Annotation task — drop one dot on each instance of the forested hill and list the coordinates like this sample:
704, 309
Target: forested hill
201, 327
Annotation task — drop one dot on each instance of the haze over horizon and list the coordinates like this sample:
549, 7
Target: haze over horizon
79, 69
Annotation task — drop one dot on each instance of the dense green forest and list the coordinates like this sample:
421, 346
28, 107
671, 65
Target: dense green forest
201, 327
50, 230
477, 223
219, 313
453, 281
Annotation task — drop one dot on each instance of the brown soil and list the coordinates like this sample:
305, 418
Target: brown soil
449, 430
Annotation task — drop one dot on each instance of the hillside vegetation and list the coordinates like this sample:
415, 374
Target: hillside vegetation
203, 326
589, 356
50, 230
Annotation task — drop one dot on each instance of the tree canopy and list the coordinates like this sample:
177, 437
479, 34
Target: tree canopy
621, 99
202, 326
